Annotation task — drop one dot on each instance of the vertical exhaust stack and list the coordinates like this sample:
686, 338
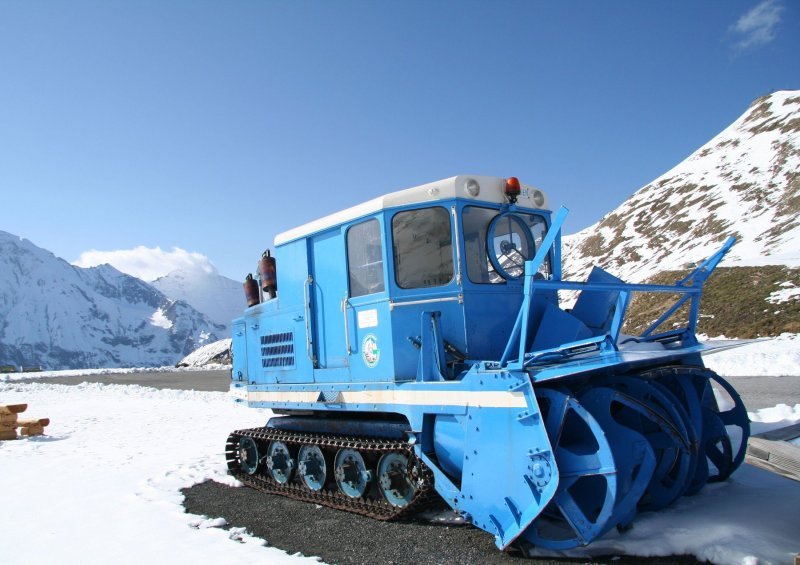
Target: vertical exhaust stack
269, 276
251, 291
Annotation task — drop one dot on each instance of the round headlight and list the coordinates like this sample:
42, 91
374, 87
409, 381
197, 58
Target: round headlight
472, 187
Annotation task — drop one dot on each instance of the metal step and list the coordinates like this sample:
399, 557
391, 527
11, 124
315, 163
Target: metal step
773, 452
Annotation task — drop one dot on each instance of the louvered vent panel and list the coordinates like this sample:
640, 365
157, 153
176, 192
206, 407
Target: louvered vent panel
277, 350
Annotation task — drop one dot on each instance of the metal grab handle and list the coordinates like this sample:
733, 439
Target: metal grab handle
345, 304
307, 309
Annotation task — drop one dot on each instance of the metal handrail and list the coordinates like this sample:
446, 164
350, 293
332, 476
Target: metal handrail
344, 305
519, 333
307, 310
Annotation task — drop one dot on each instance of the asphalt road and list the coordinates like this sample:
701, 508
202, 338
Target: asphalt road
341, 537
183, 380
763, 392
757, 392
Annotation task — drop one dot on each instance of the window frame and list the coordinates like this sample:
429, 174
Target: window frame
452, 260
379, 231
483, 246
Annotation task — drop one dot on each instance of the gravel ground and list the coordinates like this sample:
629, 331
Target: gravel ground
342, 538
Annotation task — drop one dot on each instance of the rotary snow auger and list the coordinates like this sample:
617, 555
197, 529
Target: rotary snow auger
417, 350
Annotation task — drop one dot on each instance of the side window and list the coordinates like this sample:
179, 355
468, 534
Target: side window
423, 248
365, 258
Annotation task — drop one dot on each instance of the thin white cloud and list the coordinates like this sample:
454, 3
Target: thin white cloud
757, 26
147, 263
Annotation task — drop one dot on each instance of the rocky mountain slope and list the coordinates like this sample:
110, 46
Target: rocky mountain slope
218, 297
745, 182
56, 315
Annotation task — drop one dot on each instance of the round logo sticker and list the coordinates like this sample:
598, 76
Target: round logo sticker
369, 350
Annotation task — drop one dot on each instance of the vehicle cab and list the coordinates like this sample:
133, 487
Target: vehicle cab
359, 289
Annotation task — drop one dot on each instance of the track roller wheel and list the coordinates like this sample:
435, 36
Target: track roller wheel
352, 475
312, 467
247, 455
280, 464
394, 479
671, 436
583, 506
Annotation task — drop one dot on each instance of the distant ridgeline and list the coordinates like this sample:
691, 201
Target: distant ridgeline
54, 315
738, 302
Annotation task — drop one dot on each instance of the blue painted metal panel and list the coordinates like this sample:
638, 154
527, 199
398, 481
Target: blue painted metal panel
407, 325
489, 315
372, 356
518, 495
329, 288
293, 269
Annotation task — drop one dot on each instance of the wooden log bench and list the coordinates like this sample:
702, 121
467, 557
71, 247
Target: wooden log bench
10, 421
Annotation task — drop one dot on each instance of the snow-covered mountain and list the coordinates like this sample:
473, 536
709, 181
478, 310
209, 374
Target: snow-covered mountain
745, 182
56, 315
218, 297
214, 354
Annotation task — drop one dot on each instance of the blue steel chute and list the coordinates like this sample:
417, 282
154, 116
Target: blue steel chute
417, 352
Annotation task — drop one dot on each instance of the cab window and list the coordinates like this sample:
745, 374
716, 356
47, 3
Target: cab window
365, 258
511, 246
423, 248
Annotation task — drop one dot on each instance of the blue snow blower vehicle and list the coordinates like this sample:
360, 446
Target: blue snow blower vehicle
413, 349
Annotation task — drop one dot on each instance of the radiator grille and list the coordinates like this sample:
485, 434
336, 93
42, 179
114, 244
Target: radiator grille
277, 350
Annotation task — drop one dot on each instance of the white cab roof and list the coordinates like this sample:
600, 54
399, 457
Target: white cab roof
489, 189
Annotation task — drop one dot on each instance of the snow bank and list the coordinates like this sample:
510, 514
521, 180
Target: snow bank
774, 357
773, 418
104, 485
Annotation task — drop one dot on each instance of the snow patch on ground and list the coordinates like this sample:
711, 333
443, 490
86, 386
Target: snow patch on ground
773, 418
104, 485
785, 294
772, 357
780, 413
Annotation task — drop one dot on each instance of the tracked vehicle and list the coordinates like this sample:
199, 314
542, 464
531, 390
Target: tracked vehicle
414, 349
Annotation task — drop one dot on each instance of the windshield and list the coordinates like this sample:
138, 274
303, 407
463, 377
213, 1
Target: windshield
515, 239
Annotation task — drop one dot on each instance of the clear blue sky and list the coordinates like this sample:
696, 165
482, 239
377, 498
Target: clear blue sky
212, 126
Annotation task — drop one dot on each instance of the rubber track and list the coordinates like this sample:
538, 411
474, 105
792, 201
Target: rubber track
378, 508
